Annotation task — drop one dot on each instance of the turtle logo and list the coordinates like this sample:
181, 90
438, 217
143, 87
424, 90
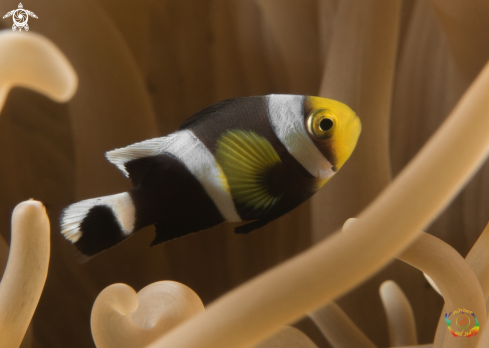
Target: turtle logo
20, 17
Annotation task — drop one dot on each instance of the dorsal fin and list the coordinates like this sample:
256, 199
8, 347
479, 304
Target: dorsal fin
209, 110
135, 160
119, 157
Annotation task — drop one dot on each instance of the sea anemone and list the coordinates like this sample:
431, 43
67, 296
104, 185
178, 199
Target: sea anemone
143, 67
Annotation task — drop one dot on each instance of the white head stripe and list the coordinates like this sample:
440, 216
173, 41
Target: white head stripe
202, 164
285, 113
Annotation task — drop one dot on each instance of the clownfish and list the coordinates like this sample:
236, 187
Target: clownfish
245, 159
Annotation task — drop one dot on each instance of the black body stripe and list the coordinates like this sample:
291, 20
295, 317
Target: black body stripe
171, 197
207, 111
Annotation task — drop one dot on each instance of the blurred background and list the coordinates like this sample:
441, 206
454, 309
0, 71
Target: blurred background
145, 66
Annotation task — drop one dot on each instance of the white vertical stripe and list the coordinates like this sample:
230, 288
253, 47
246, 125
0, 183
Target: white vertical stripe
286, 116
202, 164
185, 146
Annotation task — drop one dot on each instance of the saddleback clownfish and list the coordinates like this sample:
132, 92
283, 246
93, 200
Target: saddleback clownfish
245, 159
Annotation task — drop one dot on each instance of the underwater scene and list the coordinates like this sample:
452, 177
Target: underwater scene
244, 173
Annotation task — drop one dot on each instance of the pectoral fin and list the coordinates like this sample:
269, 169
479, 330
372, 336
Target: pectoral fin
247, 159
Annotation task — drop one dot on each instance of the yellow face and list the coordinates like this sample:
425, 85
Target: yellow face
333, 127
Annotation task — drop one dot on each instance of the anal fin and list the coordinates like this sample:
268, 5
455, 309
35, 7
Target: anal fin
163, 234
166, 232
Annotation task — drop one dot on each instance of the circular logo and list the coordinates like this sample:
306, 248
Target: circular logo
20, 17
462, 323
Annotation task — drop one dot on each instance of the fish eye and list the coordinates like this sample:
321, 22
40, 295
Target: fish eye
321, 124
326, 124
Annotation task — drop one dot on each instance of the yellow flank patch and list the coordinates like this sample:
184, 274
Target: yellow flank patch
246, 158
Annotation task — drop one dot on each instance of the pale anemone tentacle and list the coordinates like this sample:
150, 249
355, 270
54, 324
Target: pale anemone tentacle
479, 262
293, 32
286, 292
441, 328
133, 22
30, 61
26, 271
287, 337
34, 62
462, 25
27, 341
338, 328
123, 318
400, 317
253, 51
4, 249
359, 71
484, 339
432, 283
112, 94
452, 275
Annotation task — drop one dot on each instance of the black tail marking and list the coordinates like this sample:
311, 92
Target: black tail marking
100, 231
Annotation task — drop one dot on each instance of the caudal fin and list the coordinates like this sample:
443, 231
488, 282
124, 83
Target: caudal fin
96, 224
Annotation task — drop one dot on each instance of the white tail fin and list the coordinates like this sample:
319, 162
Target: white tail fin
121, 206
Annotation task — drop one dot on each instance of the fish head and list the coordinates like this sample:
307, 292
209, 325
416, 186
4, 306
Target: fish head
333, 127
